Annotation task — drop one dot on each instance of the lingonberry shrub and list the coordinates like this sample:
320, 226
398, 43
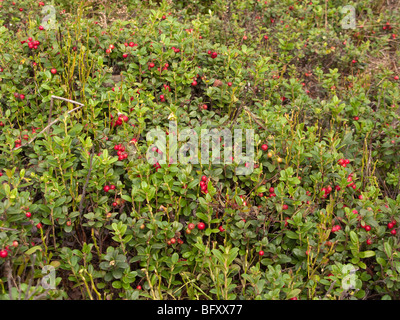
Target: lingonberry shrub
83, 189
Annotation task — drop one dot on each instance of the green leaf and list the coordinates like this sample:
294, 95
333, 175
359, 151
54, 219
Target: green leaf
293, 293
33, 249
381, 261
292, 235
366, 254
388, 249
175, 258
354, 238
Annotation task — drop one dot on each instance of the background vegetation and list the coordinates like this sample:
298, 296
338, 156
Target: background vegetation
317, 218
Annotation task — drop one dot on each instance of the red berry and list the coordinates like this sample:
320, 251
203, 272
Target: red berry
53, 70
271, 190
285, 207
264, 147
369, 241
367, 228
204, 178
106, 188
221, 228
261, 253
191, 226
139, 287
393, 231
39, 226
396, 77
201, 225
28, 214
3, 253
390, 225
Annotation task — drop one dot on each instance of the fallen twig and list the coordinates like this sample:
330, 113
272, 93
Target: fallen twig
54, 121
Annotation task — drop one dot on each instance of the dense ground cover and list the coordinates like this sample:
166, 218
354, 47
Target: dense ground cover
84, 215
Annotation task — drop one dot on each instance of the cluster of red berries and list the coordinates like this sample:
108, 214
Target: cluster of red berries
391, 225
343, 162
387, 26
32, 44
29, 215
272, 192
110, 48
212, 54
107, 188
131, 44
327, 190
351, 183
19, 96
204, 184
173, 241
200, 226
121, 152
166, 87
157, 166
336, 228
17, 143
115, 204
121, 119
176, 50
4, 252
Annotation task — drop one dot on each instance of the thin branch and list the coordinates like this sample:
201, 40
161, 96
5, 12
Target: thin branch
56, 120
86, 182
256, 120
9, 229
